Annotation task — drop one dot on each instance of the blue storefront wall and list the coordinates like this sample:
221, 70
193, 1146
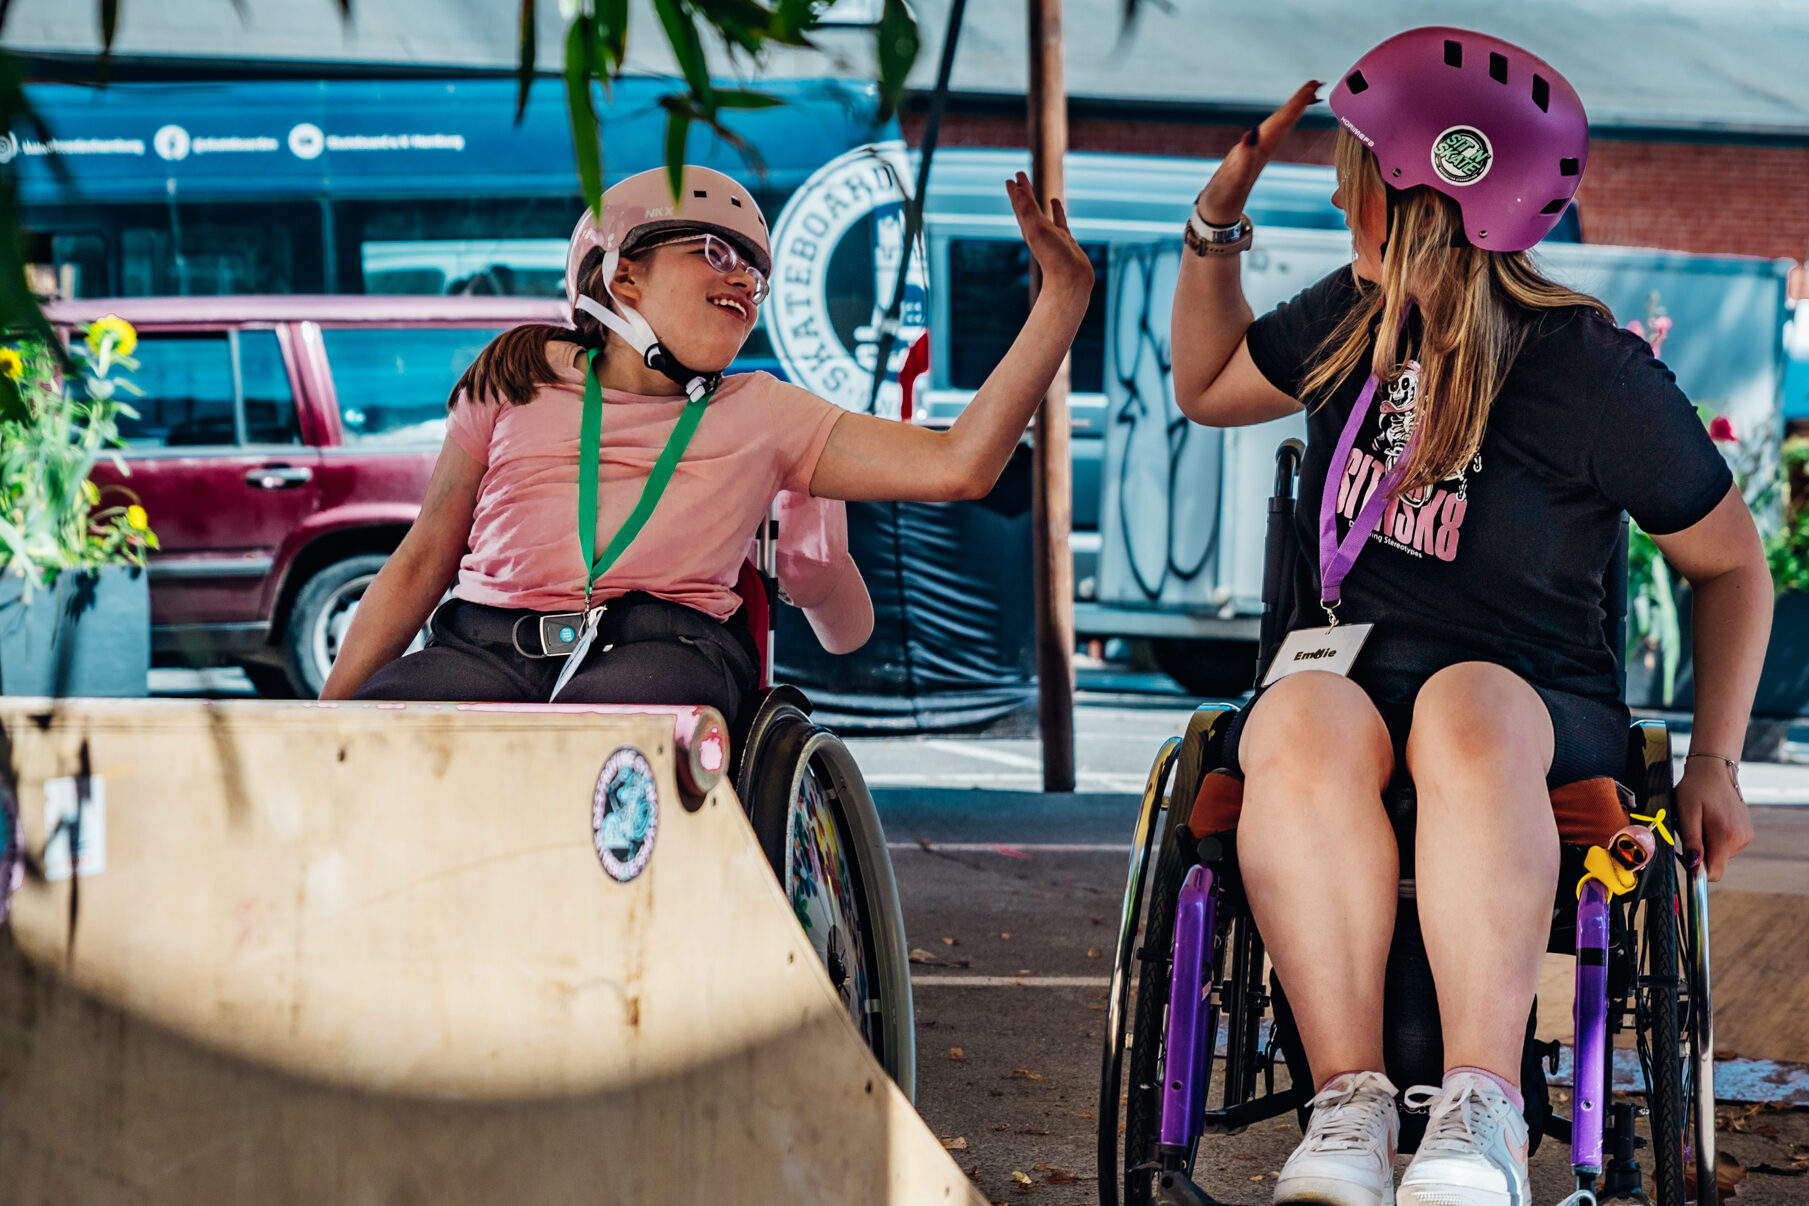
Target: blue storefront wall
335, 138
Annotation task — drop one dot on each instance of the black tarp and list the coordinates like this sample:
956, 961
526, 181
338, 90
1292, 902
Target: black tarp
953, 643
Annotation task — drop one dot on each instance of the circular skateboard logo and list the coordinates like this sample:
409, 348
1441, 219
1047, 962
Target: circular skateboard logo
838, 247
1462, 155
625, 813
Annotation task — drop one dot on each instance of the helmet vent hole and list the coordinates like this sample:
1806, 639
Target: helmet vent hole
1355, 82
1397, 171
1498, 67
1555, 207
699, 192
1454, 53
1541, 94
736, 201
1568, 167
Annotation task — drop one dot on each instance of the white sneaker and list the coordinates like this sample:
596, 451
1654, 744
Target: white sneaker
1347, 1157
1474, 1153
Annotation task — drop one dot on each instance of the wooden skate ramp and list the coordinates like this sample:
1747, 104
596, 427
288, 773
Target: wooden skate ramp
371, 955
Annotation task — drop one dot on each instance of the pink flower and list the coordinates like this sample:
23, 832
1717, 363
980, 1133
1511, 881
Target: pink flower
1721, 430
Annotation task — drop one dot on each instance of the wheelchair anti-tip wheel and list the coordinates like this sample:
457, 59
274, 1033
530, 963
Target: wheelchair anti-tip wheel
821, 834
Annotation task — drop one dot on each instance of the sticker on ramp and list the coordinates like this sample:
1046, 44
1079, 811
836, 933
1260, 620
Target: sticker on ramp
625, 813
75, 820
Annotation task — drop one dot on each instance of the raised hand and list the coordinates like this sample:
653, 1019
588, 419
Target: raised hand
1229, 189
1064, 265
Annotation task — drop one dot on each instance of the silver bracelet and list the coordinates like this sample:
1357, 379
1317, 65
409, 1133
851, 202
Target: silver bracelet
1733, 767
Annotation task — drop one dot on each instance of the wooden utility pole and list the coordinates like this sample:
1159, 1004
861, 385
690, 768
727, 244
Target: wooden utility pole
1052, 476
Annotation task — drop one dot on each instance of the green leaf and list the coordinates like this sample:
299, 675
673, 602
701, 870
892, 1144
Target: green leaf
687, 47
898, 44
12, 404
524, 73
741, 99
612, 31
580, 57
678, 128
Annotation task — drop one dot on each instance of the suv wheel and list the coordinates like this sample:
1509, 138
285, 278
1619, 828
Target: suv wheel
322, 613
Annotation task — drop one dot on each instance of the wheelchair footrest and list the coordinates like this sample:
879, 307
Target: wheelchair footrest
1175, 1189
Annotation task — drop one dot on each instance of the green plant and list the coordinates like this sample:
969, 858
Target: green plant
1787, 549
51, 518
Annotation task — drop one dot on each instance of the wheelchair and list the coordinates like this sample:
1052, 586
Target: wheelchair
1639, 933
821, 834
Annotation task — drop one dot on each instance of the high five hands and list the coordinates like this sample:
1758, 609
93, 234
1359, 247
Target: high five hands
1064, 265
1229, 189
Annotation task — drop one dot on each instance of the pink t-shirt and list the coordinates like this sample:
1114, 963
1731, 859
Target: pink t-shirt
758, 436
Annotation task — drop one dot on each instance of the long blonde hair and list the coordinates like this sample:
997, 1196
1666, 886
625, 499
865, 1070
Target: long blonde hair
1476, 308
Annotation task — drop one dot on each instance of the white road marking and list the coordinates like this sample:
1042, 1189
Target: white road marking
965, 749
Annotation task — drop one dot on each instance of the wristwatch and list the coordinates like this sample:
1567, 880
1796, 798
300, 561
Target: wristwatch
1203, 238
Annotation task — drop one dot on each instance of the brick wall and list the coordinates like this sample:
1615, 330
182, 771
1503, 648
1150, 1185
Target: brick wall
1685, 196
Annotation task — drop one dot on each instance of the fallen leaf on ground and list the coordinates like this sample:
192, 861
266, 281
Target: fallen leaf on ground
1019, 1177
954, 1143
1003, 1126
1795, 1168
1092, 952
1023, 1073
1086, 1113
1096, 921
956, 1053
1006, 937
1728, 1175
919, 955
973, 1172
1030, 1130
951, 942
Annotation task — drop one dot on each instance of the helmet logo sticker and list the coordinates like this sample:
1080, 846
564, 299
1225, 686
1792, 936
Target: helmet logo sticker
625, 813
1462, 155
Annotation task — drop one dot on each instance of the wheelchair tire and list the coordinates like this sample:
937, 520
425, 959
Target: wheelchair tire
822, 836
1149, 1026
1658, 1005
1124, 964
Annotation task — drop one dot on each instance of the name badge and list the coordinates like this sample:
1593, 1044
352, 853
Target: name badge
1330, 649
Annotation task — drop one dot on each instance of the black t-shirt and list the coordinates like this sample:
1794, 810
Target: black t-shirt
1504, 562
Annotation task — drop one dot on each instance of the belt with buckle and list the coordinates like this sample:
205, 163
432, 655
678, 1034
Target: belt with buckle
557, 632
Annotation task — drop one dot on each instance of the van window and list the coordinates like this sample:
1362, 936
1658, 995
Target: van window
190, 399
989, 299
393, 382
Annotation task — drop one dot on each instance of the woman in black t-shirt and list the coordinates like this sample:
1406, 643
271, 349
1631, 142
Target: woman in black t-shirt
1475, 432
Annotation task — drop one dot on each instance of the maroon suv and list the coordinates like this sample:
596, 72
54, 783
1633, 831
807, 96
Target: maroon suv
282, 448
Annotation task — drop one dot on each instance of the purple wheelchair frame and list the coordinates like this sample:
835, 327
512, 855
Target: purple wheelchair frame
1192, 1031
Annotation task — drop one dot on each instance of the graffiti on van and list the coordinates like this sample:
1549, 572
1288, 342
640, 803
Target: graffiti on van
1163, 469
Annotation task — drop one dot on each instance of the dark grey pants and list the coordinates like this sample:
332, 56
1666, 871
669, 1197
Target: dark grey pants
647, 651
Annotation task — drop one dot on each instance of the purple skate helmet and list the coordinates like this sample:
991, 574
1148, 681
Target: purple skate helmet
1490, 126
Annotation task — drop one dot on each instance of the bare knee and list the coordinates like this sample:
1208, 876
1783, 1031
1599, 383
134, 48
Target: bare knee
1315, 730
1478, 721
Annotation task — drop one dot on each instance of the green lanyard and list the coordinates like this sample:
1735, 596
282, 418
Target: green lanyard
590, 439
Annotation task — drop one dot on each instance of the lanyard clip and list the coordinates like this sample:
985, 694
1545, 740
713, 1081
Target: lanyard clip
1331, 612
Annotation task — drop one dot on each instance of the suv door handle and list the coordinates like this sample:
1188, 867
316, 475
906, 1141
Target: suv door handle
279, 477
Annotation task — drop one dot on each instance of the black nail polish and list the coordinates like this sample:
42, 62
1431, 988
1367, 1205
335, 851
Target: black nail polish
1250, 136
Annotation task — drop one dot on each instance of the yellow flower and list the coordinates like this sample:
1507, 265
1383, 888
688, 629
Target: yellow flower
91, 492
11, 364
136, 518
124, 337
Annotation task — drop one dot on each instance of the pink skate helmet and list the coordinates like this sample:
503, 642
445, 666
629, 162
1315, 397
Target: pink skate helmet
1490, 126
640, 212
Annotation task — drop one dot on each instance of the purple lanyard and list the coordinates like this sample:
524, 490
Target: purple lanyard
1336, 557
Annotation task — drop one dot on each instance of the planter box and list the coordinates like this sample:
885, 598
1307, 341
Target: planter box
1783, 683
88, 634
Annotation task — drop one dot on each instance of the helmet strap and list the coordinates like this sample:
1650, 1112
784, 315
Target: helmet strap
627, 322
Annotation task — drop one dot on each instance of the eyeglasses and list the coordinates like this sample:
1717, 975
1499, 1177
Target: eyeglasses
721, 255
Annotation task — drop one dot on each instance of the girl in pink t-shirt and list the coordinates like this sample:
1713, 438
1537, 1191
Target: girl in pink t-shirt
600, 484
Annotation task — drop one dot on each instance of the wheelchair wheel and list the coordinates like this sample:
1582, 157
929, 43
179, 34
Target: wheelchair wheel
1665, 1008
821, 834
1176, 853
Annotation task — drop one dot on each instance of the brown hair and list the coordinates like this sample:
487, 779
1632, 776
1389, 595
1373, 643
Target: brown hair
1477, 308
514, 364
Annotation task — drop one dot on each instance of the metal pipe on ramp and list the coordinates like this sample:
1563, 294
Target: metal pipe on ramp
290, 953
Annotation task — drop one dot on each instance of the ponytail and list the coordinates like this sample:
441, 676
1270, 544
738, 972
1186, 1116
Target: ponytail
514, 365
